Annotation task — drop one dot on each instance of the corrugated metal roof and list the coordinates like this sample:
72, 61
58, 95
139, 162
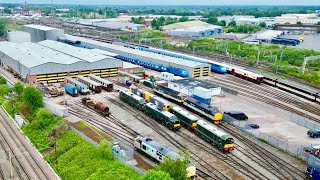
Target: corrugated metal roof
57, 56
81, 53
187, 24
198, 28
22, 54
40, 27
107, 53
129, 51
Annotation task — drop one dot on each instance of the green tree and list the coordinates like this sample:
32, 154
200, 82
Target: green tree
155, 24
212, 20
286, 23
43, 118
18, 88
105, 150
32, 97
100, 12
3, 80
156, 175
4, 89
263, 24
177, 169
184, 19
222, 23
299, 23
7, 10
232, 23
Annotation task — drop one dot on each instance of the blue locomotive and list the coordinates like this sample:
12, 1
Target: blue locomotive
312, 173
215, 67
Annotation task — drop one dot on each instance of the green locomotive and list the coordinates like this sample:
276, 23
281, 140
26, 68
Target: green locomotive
163, 117
132, 99
187, 120
215, 136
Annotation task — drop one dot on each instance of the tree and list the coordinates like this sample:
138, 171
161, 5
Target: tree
7, 10
286, 23
222, 23
232, 23
263, 24
299, 23
32, 97
43, 118
155, 24
100, 12
176, 168
3, 80
4, 89
156, 175
105, 150
212, 20
18, 88
184, 19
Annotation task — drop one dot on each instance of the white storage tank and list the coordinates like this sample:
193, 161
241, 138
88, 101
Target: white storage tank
18, 36
56, 109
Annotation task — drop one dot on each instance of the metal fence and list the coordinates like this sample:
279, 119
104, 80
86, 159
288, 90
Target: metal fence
304, 122
294, 149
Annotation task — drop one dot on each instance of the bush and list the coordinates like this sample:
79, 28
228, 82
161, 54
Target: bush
105, 150
43, 118
18, 88
32, 97
156, 175
3, 80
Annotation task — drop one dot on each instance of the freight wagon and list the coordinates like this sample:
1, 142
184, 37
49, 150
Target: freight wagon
186, 119
97, 106
71, 89
132, 99
163, 117
215, 136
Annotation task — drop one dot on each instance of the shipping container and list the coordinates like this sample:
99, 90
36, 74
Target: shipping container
203, 100
56, 109
203, 92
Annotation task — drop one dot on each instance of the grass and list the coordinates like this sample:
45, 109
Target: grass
92, 132
263, 140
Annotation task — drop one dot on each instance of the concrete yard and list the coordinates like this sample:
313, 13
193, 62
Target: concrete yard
311, 42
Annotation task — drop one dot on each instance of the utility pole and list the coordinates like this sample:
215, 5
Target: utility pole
258, 57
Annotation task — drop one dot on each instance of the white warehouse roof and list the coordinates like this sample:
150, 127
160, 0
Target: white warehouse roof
81, 53
40, 27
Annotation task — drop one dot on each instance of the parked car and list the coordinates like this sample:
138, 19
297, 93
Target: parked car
253, 126
315, 133
237, 115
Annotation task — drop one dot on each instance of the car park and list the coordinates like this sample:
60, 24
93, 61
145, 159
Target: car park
237, 115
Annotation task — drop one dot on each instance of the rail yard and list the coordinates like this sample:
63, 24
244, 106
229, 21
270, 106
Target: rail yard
176, 103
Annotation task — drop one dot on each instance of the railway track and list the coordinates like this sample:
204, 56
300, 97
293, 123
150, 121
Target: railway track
269, 96
27, 161
231, 160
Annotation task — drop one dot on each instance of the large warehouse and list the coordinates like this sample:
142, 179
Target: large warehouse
41, 33
44, 62
194, 69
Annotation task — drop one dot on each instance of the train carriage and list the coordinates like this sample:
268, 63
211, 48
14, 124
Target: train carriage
170, 94
105, 84
81, 88
215, 136
212, 113
132, 99
94, 86
186, 119
164, 117
140, 92
160, 103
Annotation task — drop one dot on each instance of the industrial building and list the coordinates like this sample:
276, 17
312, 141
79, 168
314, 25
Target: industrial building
194, 69
298, 28
268, 35
18, 36
306, 19
183, 25
50, 61
41, 33
196, 32
187, 86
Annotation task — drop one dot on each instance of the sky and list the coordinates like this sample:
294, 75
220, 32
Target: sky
171, 2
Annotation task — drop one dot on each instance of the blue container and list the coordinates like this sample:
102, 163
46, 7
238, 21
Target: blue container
203, 100
127, 83
71, 89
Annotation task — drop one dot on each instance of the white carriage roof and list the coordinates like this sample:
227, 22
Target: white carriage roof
211, 128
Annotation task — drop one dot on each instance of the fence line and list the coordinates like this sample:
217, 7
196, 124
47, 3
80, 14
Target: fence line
304, 122
294, 149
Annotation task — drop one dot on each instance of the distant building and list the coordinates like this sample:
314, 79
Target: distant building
242, 20
182, 25
295, 18
63, 10
120, 25
298, 29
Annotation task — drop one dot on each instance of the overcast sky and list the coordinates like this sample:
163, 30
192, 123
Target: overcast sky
172, 2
